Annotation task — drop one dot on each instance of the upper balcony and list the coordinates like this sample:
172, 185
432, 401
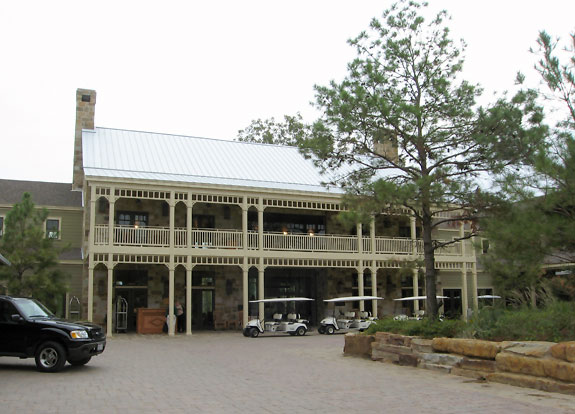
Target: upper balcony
272, 241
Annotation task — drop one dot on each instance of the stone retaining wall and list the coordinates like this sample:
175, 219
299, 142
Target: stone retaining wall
546, 366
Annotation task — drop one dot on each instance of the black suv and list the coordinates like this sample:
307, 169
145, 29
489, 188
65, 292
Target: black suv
28, 329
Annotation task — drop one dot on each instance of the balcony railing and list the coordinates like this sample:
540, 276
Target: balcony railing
233, 239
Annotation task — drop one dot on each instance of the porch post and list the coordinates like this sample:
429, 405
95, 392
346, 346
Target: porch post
245, 298
464, 293
109, 298
172, 219
415, 277
111, 214
171, 316
261, 272
189, 221
360, 276
374, 288
244, 226
189, 269
474, 286
261, 225
91, 288
415, 284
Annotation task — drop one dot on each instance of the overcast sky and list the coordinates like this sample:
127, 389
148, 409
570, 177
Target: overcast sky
207, 68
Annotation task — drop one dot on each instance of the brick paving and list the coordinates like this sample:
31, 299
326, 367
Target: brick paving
227, 373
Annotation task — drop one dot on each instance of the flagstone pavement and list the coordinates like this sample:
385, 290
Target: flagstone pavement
223, 372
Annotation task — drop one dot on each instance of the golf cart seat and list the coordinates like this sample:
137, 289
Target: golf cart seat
277, 318
350, 315
293, 317
363, 315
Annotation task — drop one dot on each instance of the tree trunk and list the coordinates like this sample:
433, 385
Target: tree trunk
429, 259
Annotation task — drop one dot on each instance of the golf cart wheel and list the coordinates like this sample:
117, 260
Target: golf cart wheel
300, 331
50, 357
330, 330
254, 333
321, 330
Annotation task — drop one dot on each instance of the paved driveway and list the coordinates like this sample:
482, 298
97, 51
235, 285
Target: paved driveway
227, 373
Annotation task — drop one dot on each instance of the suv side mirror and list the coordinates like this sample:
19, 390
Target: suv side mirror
17, 318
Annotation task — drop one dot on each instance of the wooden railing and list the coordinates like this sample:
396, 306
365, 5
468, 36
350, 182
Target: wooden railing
233, 239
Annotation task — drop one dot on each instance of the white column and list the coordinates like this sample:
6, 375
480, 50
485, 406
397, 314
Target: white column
111, 214
171, 316
245, 226
261, 272
374, 288
172, 219
474, 286
110, 298
189, 221
245, 288
260, 225
360, 276
415, 284
464, 293
91, 288
189, 297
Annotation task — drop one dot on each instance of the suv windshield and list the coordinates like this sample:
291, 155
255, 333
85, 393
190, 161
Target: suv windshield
32, 309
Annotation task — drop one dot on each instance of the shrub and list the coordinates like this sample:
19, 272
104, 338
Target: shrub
425, 328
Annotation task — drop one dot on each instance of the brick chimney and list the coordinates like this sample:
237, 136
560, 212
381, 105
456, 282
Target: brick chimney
85, 111
385, 144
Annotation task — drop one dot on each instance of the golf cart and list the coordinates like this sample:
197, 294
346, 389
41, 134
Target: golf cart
419, 314
348, 322
292, 325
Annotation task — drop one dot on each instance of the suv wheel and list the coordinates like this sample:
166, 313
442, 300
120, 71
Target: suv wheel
78, 362
50, 357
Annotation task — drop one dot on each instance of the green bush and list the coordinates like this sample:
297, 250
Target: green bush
425, 328
555, 323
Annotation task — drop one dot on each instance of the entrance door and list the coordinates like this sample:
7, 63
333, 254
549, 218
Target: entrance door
137, 297
202, 309
452, 305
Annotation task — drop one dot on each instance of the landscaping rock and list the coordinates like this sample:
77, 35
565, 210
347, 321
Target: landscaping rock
358, 345
470, 373
482, 365
543, 384
564, 351
518, 364
537, 349
436, 367
422, 345
441, 359
468, 347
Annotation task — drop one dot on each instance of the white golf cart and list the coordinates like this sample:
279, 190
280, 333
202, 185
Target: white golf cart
418, 314
292, 325
349, 321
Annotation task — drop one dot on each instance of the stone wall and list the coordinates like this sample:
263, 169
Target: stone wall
545, 366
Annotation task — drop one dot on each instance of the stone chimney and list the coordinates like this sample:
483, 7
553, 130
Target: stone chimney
85, 111
385, 144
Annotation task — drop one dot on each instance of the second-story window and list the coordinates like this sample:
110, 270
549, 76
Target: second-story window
53, 228
131, 218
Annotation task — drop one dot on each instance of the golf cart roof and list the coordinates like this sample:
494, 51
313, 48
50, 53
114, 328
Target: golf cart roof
420, 298
281, 300
353, 298
488, 297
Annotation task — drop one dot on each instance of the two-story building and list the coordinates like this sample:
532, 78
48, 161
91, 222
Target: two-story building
213, 224
64, 225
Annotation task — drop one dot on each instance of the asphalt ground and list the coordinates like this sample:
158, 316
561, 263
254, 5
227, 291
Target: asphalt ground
223, 372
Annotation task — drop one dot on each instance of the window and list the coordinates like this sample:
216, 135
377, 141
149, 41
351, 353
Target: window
53, 228
484, 246
1, 226
130, 218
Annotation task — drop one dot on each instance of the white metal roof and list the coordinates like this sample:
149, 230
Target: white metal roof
115, 153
